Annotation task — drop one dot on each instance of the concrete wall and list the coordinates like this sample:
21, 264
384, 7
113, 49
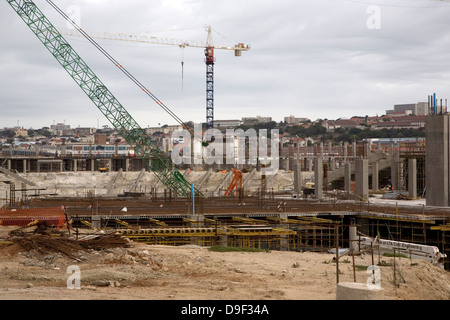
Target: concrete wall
362, 178
436, 160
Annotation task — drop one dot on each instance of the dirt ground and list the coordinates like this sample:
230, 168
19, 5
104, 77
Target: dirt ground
150, 272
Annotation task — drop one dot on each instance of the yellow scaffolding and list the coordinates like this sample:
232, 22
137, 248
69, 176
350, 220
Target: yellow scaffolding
259, 236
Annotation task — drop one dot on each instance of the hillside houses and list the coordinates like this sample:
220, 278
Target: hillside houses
377, 123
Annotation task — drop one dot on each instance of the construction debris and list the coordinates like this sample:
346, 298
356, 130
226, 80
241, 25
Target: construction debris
396, 196
46, 241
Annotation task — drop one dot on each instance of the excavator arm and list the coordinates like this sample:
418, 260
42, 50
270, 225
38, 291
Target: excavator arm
104, 100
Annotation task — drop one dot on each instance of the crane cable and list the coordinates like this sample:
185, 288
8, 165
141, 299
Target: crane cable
118, 65
182, 66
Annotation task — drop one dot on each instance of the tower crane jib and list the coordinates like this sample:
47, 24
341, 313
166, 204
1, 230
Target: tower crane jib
208, 47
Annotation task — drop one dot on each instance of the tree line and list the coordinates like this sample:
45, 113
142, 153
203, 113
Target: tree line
318, 132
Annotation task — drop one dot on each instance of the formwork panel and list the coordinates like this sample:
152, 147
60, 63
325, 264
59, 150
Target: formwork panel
22, 217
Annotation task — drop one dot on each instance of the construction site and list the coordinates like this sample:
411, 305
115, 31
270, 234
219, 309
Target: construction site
326, 203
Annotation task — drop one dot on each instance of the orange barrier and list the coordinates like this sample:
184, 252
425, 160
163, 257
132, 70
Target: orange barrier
21, 217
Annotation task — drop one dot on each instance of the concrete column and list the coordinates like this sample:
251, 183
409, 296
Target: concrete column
9, 164
353, 237
394, 171
362, 178
297, 177
375, 170
332, 164
345, 151
401, 176
96, 222
92, 165
354, 149
284, 243
412, 178
223, 241
24, 166
310, 164
198, 218
75, 163
347, 177
318, 177
192, 156
127, 164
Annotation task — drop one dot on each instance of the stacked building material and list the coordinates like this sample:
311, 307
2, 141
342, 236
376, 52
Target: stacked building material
53, 217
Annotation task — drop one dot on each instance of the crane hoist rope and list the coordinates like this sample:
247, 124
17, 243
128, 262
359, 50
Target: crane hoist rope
104, 100
208, 47
121, 68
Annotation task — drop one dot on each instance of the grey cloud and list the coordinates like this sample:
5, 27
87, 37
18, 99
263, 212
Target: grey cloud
313, 59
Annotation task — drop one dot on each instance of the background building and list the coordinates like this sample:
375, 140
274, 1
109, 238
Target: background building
257, 119
292, 120
415, 109
227, 123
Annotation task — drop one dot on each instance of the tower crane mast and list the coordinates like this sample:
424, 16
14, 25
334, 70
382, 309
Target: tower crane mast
118, 116
210, 59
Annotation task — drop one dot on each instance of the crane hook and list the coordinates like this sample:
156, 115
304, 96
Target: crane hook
182, 74
182, 66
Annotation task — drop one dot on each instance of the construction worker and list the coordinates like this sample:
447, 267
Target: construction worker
390, 186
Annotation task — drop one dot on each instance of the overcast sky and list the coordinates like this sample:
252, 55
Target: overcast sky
309, 58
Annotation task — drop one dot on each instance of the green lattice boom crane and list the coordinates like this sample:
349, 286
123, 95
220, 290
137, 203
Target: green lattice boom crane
118, 116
